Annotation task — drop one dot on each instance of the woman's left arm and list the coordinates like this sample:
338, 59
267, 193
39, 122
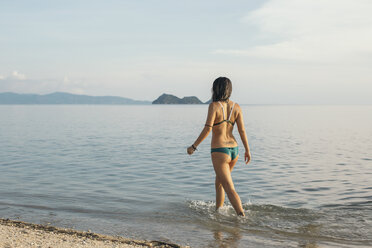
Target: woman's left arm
206, 130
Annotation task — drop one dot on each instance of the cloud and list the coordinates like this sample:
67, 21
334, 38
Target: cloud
17, 75
17, 82
310, 30
66, 79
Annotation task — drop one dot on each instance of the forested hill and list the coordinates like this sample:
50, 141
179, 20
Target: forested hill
64, 98
171, 99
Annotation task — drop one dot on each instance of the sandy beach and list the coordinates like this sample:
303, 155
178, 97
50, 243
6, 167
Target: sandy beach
22, 234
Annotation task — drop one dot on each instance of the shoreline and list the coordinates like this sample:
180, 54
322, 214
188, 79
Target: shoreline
15, 233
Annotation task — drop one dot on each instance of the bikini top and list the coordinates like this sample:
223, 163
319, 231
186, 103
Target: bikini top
224, 119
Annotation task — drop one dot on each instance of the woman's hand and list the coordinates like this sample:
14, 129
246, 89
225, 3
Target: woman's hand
190, 150
247, 157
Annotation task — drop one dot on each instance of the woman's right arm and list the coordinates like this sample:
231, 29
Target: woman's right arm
206, 130
243, 136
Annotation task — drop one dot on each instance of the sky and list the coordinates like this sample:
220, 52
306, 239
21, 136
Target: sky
274, 51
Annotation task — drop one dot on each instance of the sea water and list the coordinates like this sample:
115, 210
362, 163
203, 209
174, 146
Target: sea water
123, 170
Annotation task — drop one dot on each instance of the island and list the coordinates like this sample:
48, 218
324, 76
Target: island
64, 98
171, 99
69, 98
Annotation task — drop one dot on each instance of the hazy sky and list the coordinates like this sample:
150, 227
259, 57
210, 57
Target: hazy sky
275, 51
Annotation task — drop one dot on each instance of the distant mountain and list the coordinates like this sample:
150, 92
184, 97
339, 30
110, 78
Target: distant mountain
171, 99
64, 98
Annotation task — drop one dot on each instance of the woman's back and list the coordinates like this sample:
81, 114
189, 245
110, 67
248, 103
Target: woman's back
226, 114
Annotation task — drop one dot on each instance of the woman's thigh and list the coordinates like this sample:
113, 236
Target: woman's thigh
233, 162
222, 169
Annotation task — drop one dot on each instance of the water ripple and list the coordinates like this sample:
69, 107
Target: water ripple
87, 166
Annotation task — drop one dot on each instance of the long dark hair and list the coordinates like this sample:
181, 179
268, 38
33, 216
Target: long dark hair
221, 90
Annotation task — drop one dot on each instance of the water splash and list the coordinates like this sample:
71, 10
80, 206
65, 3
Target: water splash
287, 223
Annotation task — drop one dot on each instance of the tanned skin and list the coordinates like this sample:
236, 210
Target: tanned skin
222, 163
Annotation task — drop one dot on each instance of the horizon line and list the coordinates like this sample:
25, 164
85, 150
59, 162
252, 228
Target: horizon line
338, 104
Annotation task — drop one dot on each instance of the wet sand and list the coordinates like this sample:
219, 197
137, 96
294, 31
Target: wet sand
22, 234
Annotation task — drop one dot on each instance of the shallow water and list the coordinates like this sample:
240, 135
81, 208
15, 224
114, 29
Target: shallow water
124, 170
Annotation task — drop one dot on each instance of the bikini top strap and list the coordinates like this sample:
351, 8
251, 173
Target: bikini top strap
231, 111
223, 111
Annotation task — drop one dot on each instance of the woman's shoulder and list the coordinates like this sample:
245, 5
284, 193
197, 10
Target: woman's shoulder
236, 105
213, 105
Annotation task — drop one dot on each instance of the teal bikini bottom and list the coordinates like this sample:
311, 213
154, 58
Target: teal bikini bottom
231, 151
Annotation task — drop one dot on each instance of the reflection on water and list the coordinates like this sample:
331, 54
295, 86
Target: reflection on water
227, 238
88, 167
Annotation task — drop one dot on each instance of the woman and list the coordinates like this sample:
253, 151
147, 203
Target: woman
222, 115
